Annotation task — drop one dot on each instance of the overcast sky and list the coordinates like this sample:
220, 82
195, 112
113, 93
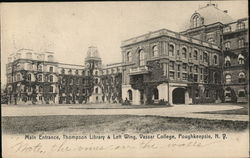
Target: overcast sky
68, 29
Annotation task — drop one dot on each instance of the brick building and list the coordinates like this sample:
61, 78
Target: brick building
205, 63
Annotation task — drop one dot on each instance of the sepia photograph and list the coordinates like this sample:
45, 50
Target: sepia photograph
125, 79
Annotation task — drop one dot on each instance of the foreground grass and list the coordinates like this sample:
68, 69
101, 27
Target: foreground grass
243, 111
114, 124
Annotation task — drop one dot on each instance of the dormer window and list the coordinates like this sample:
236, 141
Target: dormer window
240, 26
196, 21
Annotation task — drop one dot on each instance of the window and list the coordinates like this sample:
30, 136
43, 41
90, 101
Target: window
227, 29
63, 71
207, 93
196, 55
29, 89
242, 93
30, 66
96, 81
50, 58
178, 75
29, 77
96, 90
40, 78
195, 78
129, 56
70, 71
184, 67
184, 76
76, 72
196, 21
50, 78
184, 53
205, 57
155, 50
40, 67
96, 73
51, 89
215, 59
18, 77
130, 96
190, 68
242, 77
240, 26
227, 45
241, 43
40, 89
241, 59
171, 65
141, 58
171, 75
227, 61
179, 67
171, 49
228, 78
50, 69
196, 68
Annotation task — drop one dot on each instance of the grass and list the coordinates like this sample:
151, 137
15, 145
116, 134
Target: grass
243, 111
114, 124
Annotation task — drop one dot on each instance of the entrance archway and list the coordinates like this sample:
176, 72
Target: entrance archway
178, 96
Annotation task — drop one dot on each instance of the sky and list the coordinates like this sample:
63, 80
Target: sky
69, 28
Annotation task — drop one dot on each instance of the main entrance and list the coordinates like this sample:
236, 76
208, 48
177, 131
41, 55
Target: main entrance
178, 96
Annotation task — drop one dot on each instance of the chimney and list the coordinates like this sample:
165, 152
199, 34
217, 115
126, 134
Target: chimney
225, 11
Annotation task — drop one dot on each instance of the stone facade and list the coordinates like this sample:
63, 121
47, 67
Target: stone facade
206, 63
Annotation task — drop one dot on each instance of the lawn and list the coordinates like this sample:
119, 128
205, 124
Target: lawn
114, 124
243, 111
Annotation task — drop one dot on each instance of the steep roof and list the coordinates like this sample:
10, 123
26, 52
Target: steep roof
211, 14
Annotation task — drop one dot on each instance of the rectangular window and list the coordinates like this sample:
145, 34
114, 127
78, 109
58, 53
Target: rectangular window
184, 76
171, 65
40, 78
50, 69
178, 75
171, 75
179, 68
184, 67
196, 68
195, 78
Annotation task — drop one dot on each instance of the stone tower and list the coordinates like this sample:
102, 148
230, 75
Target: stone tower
93, 64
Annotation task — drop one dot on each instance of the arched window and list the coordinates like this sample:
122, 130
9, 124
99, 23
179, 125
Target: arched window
129, 56
155, 50
130, 96
196, 55
227, 61
29, 77
242, 77
228, 78
215, 59
241, 59
241, 43
196, 21
156, 94
141, 58
205, 57
171, 49
40, 78
184, 52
